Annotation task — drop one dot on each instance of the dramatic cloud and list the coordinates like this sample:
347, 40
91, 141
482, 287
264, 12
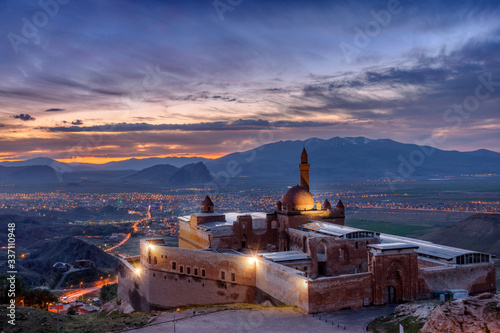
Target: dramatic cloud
177, 71
23, 117
239, 125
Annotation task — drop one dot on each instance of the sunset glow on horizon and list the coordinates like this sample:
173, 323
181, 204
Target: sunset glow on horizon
99, 82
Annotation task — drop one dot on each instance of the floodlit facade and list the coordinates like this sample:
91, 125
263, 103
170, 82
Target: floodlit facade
301, 254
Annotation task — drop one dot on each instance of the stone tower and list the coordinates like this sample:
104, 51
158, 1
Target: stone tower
304, 170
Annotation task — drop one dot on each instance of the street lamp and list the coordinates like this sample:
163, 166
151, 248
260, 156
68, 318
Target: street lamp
174, 318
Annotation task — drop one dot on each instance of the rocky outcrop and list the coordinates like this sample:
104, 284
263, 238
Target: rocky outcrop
418, 310
110, 307
473, 314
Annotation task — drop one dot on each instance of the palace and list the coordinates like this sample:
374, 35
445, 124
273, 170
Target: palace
300, 254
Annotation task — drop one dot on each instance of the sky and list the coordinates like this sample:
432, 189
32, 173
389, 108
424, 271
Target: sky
97, 81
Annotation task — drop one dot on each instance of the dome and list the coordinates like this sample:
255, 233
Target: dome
59, 265
298, 198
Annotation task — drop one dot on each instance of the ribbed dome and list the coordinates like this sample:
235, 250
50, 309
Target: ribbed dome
298, 198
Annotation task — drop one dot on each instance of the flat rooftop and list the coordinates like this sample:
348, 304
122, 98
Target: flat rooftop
340, 231
393, 246
424, 248
258, 220
285, 256
427, 248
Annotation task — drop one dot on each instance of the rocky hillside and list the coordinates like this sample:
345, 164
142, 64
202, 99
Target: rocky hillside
473, 314
33, 174
66, 250
479, 232
165, 174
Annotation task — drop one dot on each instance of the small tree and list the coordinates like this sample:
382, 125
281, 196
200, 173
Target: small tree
109, 292
39, 297
71, 311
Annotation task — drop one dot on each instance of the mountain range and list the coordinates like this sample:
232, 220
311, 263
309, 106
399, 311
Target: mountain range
335, 159
166, 174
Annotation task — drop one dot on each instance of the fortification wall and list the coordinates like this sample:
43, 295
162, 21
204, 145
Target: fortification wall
336, 293
171, 290
476, 278
282, 283
131, 287
184, 277
192, 238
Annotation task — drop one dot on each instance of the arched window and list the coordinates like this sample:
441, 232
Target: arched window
322, 250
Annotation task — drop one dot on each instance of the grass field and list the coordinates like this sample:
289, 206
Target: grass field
390, 325
399, 222
399, 229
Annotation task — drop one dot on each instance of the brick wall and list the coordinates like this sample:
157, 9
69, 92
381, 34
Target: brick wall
336, 293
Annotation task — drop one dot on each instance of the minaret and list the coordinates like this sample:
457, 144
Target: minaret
304, 170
